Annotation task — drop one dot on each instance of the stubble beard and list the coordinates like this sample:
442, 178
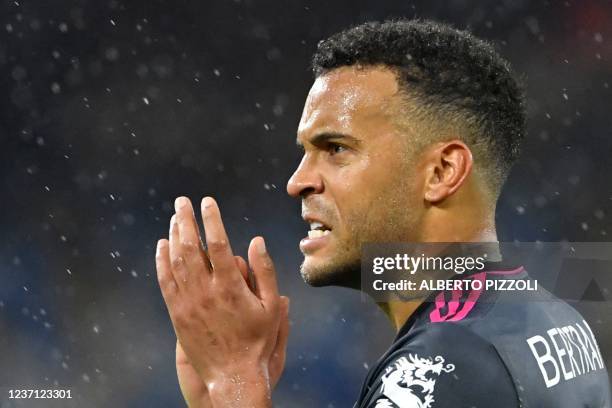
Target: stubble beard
343, 270
392, 223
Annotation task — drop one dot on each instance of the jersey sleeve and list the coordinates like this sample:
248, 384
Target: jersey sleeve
447, 366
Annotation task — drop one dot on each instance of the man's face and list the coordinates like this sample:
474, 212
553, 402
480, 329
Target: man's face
357, 178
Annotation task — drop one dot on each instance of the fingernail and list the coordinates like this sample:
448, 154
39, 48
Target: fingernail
207, 202
261, 246
160, 245
180, 203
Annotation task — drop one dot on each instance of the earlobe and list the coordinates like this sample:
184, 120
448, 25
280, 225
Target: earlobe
450, 165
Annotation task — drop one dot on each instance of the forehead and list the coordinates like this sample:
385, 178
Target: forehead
347, 98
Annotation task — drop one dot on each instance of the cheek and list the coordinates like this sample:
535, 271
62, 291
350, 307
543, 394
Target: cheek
371, 195
349, 188
384, 211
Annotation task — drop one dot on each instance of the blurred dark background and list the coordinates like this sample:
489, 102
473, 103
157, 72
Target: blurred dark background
111, 109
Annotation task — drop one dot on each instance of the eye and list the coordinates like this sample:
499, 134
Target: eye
334, 149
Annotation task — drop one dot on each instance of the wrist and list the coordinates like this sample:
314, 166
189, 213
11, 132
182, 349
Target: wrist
241, 389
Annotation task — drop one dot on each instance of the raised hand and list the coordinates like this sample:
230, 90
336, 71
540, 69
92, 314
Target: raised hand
229, 335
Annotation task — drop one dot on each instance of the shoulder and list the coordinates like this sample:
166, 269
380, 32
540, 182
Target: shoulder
446, 363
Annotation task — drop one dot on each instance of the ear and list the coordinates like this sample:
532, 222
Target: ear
448, 166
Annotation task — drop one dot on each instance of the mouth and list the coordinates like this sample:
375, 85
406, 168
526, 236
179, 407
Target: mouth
318, 236
318, 230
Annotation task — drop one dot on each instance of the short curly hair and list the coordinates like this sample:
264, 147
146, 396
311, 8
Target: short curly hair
447, 72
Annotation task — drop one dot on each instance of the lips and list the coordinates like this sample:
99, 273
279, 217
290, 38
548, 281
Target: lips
318, 234
318, 230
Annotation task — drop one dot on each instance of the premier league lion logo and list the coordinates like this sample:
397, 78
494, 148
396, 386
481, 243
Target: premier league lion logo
409, 382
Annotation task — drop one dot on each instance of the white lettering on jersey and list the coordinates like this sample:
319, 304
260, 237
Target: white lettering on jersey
572, 344
408, 384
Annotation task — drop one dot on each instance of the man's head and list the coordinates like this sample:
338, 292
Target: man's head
408, 125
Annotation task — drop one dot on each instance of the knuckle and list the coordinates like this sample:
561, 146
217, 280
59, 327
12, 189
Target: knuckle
188, 247
266, 263
167, 285
217, 245
178, 262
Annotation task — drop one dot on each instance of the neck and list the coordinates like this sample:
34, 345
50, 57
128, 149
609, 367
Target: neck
398, 312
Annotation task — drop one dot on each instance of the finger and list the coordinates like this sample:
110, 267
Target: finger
265, 275
242, 267
188, 228
219, 250
246, 272
283, 328
206, 257
177, 261
279, 354
164, 271
190, 243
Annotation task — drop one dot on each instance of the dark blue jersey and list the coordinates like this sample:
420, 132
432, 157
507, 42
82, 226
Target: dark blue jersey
491, 348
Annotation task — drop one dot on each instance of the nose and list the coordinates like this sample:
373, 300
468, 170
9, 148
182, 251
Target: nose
305, 180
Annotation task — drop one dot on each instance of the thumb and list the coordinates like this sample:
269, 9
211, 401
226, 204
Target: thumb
277, 361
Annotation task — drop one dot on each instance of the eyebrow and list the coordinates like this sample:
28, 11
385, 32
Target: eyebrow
321, 138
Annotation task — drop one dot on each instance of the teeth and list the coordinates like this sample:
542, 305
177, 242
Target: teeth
317, 233
316, 225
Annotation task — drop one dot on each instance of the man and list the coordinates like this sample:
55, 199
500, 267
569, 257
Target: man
408, 132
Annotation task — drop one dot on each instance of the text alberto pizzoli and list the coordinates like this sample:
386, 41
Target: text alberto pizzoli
458, 265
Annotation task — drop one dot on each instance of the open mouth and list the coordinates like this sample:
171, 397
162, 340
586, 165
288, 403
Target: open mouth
318, 230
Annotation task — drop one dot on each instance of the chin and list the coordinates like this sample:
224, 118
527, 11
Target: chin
330, 273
